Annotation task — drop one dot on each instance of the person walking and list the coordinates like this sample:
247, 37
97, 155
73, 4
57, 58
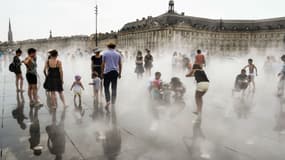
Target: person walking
77, 88
96, 63
281, 75
139, 65
148, 60
202, 86
252, 72
54, 78
111, 71
31, 75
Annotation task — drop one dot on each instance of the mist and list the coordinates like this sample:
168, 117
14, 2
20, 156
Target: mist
231, 128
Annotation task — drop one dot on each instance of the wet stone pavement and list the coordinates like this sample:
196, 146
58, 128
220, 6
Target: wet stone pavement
231, 128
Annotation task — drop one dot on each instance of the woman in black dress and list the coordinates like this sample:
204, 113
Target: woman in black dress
54, 78
148, 59
139, 65
96, 63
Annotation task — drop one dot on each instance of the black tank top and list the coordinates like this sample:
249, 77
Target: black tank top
53, 72
96, 61
201, 76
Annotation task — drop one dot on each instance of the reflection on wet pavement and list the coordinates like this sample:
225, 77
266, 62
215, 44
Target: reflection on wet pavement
232, 128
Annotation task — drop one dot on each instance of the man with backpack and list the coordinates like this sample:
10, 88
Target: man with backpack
15, 67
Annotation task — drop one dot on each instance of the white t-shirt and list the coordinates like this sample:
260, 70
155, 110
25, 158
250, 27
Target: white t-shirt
97, 83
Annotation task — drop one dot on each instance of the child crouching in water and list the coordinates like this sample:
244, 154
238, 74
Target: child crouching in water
96, 85
178, 88
77, 88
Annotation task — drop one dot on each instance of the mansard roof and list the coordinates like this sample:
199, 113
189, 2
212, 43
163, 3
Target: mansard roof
173, 19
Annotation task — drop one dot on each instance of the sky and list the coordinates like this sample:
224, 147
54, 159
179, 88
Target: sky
33, 19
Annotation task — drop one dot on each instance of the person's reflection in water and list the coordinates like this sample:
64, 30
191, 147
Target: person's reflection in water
18, 113
197, 147
243, 107
98, 112
56, 136
280, 118
48, 102
1, 61
113, 141
35, 131
79, 112
198, 137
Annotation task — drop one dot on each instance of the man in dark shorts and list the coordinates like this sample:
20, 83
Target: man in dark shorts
18, 72
31, 76
111, 71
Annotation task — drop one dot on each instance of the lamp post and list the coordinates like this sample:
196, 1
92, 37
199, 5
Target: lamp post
96, 21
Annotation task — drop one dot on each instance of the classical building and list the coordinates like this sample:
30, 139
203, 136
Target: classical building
173, 31
176, 31
65, 44
10, 33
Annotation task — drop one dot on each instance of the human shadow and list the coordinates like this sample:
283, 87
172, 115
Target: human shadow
113, 141
280, 118
56, 136
18, 113
243, 107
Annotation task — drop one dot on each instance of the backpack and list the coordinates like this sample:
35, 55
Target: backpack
12, 67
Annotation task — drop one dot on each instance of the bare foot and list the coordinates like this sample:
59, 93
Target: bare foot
107, 107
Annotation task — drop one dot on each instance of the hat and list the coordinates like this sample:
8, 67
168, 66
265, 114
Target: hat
77, 77
111, 45
51, 51
97, 50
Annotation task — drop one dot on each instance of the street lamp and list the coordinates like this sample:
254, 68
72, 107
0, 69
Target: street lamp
96, 21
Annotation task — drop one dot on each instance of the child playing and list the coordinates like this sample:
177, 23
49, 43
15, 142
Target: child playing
96, 85
251, 68
77, 88
241, 82
200, 59
177, 87
156, 86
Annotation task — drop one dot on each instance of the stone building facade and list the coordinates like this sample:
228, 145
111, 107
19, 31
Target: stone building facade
67, 44
174, 31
